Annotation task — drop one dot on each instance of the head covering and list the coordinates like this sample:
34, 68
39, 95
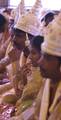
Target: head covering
52, 37
30, 22
36, 8
20, 10
21, 7
15, 13
46, 15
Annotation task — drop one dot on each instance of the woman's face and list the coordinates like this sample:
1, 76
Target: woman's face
19, 40
49, 65
34, 56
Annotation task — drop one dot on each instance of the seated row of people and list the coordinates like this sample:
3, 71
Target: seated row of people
27, 76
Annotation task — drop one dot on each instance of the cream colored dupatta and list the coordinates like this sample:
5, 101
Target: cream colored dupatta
45, 101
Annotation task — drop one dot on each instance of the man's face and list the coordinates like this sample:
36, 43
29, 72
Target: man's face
49, 65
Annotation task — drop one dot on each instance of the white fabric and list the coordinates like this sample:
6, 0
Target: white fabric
37, 7
45, 12
30, 23
15, 13
52, 36
20, 10
45, 101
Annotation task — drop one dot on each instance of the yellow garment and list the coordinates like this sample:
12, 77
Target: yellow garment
4, 89
57, 95
23, 106
33, 86
9, 48
53, 108
9, 97
13, 67
56, 110
9, 67
7, 93
45, 101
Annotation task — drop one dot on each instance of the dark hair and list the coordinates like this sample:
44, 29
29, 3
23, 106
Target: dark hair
37, 41
30, 37
59, 58
49, 15
7, 10
3, 21
17, 31
48, 18
26, 51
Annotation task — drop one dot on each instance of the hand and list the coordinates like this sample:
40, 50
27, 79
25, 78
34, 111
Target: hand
4, 62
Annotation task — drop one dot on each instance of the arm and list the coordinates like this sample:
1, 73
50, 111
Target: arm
4, 62
3, 48
13, 56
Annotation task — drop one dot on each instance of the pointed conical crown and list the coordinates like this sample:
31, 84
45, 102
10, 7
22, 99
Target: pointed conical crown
30, 22
20, 10
36, 8
52, 37
21, 7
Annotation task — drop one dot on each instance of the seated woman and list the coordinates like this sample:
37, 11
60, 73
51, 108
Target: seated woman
32, 28
4, 41
5, 35
32, 72
19, 38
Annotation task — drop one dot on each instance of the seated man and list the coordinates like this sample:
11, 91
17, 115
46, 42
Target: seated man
50, 66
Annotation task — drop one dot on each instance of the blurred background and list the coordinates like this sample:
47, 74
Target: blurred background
47, 4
